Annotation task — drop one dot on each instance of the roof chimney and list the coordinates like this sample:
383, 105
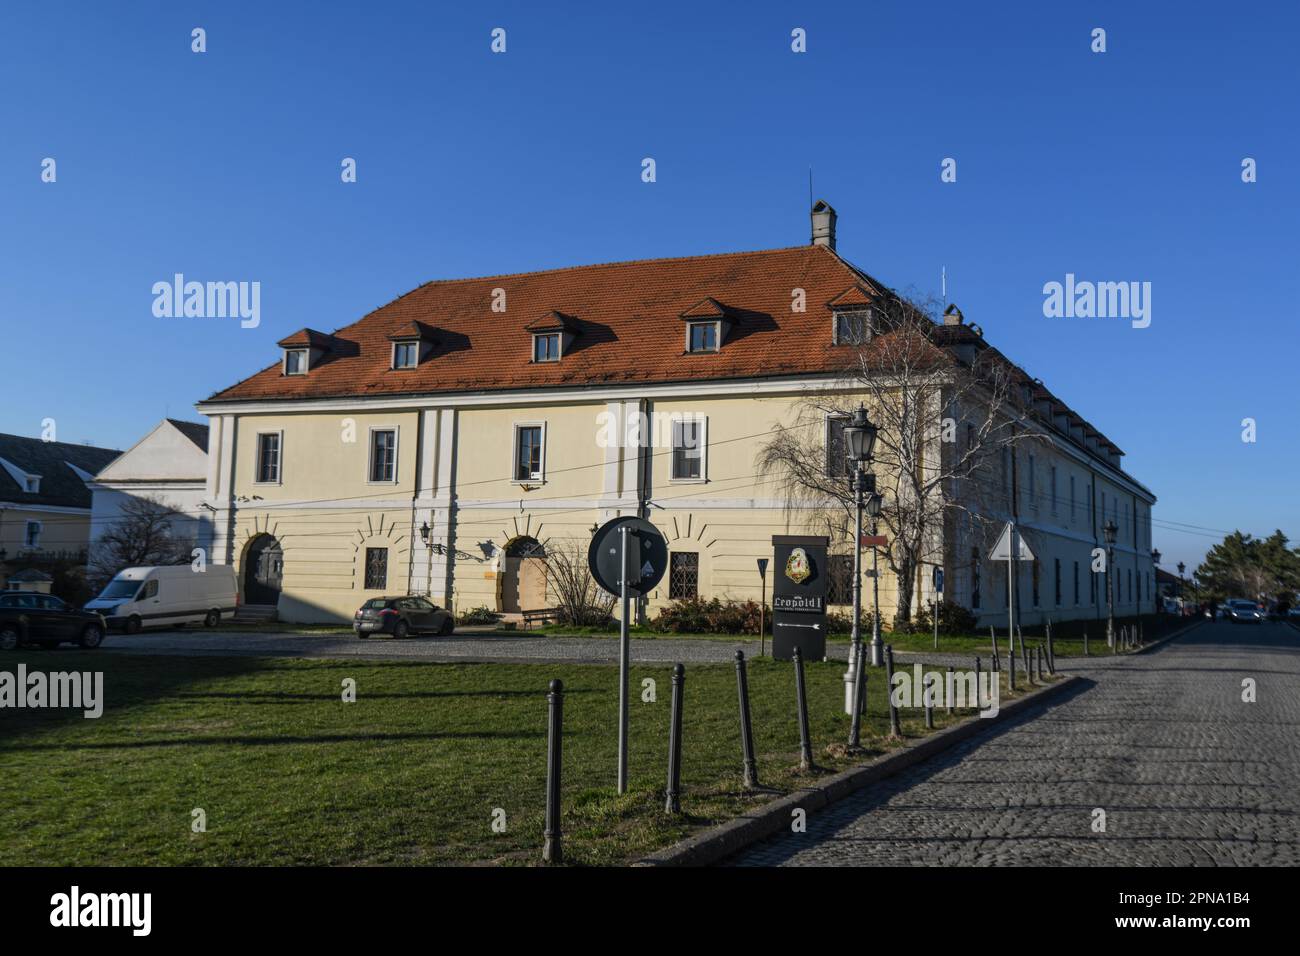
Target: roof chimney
952, 315
823, 224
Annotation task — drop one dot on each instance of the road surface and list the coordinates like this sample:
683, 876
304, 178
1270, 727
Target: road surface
1186, 772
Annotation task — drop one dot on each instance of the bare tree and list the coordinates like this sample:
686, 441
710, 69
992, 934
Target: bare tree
577, 597
946, 405
144, 536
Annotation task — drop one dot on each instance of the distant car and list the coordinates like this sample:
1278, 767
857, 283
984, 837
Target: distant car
28, 617
1241, 611
1293, 612
402, 617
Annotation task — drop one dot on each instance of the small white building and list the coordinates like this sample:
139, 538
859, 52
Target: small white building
170, 464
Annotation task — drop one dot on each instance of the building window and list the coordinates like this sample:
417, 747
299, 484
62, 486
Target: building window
1058, 582
33, 484
852, 328
1035, 582
406, 354
528, 453
1092, 588
1072, 499
1130, 585
383, 455
702, 337
32, 534
683, 575
837, 465
268, 458
546, 348
975, 578
295, 362
839, 579
1076, 583
688, 449
376, 569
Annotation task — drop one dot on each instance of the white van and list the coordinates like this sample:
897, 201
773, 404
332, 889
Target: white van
168, 596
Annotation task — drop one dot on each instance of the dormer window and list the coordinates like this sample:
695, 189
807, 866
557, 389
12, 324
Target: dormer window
412, 343
304, 350
406, 354
852, 315
853, 328
553, 335
707, 325
33, 485
546, 347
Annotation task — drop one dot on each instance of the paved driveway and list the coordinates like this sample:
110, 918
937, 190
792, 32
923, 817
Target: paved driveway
1186, 773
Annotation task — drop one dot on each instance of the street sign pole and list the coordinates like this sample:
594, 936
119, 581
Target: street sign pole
762, 604
627, 557
623, 648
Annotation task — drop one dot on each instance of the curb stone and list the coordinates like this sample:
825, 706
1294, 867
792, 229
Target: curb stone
729, 838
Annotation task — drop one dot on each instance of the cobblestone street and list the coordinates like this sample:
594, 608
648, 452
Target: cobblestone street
1186, 772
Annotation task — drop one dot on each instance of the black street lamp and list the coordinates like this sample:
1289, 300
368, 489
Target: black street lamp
859, 440
1110, 530
1155, 591
1181, 568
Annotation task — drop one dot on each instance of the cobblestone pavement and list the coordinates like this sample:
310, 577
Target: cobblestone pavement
1186, 772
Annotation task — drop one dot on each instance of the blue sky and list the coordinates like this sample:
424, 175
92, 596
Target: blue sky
1118, 166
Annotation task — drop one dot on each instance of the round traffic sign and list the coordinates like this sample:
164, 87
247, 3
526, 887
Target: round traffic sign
647, 562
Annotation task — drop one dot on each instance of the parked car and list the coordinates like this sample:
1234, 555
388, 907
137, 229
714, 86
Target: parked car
167, 596
28, 617
1241, 611
402, 617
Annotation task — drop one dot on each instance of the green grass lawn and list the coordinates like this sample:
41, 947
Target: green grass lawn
409, 774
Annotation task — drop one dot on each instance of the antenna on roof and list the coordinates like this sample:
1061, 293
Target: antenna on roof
943, 282
810, 189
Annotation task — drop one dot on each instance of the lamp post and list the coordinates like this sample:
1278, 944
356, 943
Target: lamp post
877, 646
859, 440
1155, 576
1181, 609
1110, 530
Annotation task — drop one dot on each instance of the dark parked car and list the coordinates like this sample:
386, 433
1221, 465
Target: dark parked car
401, 617
28, 617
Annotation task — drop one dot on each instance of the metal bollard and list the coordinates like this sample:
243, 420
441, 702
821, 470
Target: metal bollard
1051, 650
552, 846
1029, 666
1085, 642
978, 702
993, 639
801, 694
926, 696
746, 728
1040, 656
948, 689
894, 729
673, 803
1011, 673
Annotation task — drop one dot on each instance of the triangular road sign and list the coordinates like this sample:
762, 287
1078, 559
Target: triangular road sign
1002, 551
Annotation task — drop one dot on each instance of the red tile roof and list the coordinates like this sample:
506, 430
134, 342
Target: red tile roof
628, 314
